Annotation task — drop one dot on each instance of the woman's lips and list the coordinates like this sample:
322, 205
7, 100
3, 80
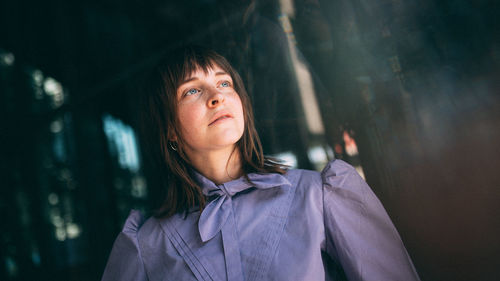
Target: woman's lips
220, 118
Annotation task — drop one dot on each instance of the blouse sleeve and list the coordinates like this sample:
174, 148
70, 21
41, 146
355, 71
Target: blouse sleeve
125, 261
359, 233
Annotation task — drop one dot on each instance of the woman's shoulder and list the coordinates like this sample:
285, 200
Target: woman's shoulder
140, 226
131, 227
134, 221
334, 173
338, 174
149, 234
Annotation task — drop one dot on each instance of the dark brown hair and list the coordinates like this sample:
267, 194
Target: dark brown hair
159, 124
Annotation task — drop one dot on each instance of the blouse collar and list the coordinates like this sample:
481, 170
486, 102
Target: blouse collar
230, 188
217, 211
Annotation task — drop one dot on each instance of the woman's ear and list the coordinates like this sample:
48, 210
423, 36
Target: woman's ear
173, 138
171, 135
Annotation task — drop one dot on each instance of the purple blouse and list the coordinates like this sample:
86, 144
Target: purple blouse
303, 225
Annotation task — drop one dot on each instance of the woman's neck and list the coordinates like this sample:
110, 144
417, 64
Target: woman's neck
218, 166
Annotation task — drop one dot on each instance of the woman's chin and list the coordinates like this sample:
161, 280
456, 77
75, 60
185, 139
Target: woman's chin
226, 138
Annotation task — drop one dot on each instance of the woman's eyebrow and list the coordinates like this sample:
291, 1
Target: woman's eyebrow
188, 80
221, 73
196, 78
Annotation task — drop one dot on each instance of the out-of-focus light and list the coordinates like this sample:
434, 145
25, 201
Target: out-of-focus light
305, 83
37, 77
54, 90
308, 97
139, 189
56, 126
57, 221
329, 152
317, 155
7, 58
53, 199
287, 7
350, 144
55, 217
51, 86
287, 28
122, 141
285, 23
288, 158
73, 230
59, 148
60, 234
360, 171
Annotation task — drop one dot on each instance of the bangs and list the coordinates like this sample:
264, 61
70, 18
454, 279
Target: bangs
195, 59
192, 65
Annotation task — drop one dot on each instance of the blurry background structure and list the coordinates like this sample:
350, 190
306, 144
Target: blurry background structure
407, 91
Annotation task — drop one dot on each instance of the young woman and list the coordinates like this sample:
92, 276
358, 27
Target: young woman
231, 213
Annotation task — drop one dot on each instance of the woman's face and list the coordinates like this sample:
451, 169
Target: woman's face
210, 111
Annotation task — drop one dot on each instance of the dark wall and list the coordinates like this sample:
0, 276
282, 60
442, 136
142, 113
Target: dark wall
414, 83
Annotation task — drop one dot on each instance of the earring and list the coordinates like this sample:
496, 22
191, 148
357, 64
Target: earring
173, 145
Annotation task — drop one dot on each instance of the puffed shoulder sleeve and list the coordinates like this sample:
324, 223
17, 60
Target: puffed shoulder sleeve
359, 233
125, 261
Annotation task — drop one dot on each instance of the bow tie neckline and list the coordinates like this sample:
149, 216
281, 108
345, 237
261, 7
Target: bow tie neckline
216, 212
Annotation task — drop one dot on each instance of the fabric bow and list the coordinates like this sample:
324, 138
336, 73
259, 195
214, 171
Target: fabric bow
218, 210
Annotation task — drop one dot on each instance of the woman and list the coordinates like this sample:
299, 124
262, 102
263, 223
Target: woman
232, 214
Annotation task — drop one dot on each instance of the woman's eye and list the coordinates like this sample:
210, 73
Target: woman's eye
192, 92
225, 84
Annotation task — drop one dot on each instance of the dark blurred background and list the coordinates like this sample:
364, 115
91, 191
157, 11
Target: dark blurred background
407, 91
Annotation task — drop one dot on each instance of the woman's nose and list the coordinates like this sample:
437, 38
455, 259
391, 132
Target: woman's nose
215, 99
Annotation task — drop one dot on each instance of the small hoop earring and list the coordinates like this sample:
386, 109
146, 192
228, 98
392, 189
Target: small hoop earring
173, 145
